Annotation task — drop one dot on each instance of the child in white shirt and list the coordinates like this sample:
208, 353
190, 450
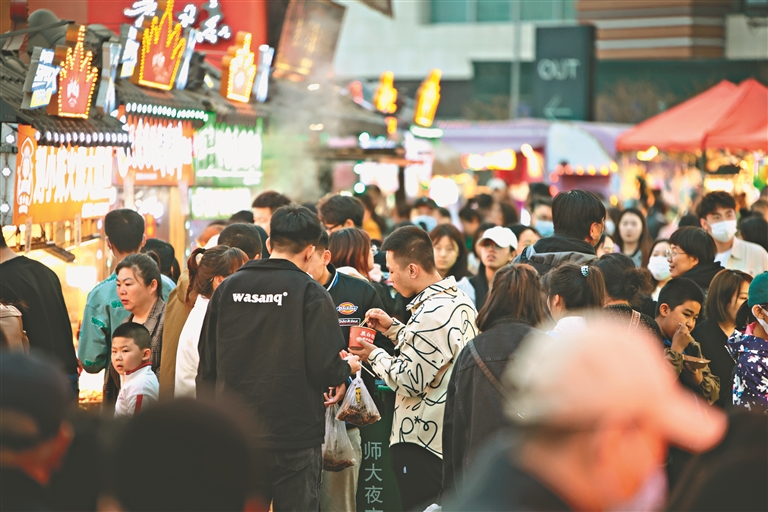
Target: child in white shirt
131, 358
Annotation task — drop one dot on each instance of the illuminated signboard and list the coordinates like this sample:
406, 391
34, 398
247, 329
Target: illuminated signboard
161, 153
238, 70
161, 50
228, 155
218, 203
58, 183
77, 78
41, 80
308, 39
130, 58
210, 29
504, 160
385, 98
110, 60
427, 99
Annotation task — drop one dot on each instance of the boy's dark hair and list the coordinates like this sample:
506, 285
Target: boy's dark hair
713, 200
689, 219
335, 210
574, 212
443, 212
293, 228
146, 267
125, 229
755, 229
695, 242
411, 244
678, 291
245, 216
136, 332
724, 286
623, 280
169, 265
245, 237
270, 199
469, 214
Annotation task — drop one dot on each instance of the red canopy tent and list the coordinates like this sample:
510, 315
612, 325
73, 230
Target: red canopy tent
745, 126
683, 127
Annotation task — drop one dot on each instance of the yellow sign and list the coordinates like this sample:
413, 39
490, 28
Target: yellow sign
504, 160
162, 48
58, 183
427, 99
77, 78
385, 98
238, 69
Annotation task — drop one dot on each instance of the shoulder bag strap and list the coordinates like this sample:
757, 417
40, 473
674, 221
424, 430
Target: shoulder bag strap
488, 375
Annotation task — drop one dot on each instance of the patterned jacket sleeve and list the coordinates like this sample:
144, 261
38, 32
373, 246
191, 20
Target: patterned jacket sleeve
424, 352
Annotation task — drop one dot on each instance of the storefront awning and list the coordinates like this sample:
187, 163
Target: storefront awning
745, 127
173, 104
96, 131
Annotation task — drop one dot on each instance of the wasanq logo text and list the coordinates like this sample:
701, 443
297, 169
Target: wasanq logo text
276, 298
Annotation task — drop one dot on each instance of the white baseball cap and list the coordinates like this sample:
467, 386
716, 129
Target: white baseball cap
503, 237
588, 377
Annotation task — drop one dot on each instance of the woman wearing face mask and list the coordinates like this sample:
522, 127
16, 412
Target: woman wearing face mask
727, 293
633, 238
749, 348
139, 288
572, 291
692, 255
205, 276
658, 265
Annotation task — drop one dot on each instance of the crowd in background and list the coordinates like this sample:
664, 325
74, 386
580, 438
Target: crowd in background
554, 354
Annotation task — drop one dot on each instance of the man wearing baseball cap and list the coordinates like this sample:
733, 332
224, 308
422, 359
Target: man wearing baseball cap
593, 418
497, 247
34, 436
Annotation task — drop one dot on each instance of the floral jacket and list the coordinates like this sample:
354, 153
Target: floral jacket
442, 322
750, 378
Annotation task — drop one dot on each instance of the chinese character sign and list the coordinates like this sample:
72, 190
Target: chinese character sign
228, 155
238, 70
162, 48
58, 183
41, 80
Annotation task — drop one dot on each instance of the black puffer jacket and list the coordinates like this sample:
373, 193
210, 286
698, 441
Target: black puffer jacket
474, 408
703, 274
553, 251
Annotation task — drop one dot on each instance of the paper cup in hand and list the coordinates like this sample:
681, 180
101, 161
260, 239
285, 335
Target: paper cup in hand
366, 333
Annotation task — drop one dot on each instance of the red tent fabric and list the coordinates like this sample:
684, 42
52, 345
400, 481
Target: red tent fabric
745, 126
683, 127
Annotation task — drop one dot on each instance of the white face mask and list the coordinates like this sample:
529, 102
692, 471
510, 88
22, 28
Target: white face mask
610, 227
762, 322
723, 231
659, 267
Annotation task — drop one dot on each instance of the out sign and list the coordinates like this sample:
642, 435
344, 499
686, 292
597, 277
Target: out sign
560, 69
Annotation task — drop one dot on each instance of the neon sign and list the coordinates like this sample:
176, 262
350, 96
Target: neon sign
218, 203
209, 30
228, 155
262, 74
504, 160
58, 183
385, 98
161, 50
427, 99
110, 60
40, 83
161, 153
238, 70
77, 78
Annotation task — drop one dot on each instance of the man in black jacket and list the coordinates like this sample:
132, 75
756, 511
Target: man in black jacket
272, 337
352, 297
579, 219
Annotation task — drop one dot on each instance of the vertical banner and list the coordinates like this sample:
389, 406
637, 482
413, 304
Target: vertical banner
308, 40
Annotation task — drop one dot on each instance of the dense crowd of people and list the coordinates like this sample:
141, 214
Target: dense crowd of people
588, 358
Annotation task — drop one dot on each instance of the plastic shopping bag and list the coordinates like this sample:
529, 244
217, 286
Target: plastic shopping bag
337, 450
358, 407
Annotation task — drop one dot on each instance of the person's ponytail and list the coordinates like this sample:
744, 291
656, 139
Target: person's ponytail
593, 292
193, 266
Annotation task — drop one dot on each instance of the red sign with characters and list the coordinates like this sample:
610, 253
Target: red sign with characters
161, 49
77, 78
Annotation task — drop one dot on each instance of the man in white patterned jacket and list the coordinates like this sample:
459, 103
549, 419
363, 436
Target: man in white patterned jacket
442, 322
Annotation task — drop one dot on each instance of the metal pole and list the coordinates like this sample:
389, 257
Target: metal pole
516, 43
